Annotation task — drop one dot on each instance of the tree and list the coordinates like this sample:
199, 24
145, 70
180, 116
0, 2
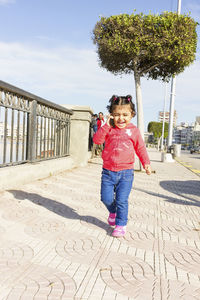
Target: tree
155, 46
156, 129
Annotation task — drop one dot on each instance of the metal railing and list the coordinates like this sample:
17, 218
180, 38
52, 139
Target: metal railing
31, 128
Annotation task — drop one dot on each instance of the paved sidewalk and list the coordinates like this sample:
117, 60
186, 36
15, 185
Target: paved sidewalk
55, 242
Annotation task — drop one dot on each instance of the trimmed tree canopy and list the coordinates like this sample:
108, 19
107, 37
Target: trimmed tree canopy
156, 129
156, 46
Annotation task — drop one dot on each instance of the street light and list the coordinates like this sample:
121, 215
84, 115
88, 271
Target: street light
163, 124
173, 87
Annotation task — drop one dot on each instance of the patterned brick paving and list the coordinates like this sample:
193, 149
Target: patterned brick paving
56, 243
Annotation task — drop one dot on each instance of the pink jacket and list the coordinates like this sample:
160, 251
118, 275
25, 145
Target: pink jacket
121, 146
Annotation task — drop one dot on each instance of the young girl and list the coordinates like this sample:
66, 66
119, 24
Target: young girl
122, 139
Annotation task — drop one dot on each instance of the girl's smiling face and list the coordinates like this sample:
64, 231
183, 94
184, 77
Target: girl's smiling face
122, 115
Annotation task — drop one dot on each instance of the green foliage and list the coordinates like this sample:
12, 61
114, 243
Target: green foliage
156, 129
155, 46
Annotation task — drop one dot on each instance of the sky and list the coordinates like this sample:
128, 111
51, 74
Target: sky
46, 49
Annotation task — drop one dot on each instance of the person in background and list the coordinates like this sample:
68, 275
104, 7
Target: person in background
100, 120
100, 123
93, 131
94, 123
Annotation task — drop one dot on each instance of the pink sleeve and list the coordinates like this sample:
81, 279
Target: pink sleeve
99, 136
140, 149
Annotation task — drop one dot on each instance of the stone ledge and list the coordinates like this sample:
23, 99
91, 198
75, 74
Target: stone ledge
12, 177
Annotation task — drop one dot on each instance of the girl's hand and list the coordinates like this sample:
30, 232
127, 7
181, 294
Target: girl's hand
110, 117
148, 169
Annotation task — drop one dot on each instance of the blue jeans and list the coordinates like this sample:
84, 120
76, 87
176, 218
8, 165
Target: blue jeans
115, 190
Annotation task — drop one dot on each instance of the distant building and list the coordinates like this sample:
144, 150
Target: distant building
196, 133
198, 119
182, 134
167, 114
186, 134
8, 131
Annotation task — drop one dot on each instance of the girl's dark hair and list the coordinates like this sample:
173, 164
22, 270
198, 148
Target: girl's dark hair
121, 100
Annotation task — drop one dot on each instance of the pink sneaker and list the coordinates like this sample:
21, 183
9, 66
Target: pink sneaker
111, 219
119, 231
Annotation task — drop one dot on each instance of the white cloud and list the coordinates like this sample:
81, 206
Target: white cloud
67, 75
4, 2
64, 70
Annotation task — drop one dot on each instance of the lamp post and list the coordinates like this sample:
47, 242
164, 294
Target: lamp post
173, 87
163, 124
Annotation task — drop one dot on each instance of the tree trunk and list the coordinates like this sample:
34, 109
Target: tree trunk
140, 114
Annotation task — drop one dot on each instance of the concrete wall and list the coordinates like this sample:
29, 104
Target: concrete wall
13, 176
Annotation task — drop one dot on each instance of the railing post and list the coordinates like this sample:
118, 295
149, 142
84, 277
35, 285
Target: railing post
32, 130
79, 133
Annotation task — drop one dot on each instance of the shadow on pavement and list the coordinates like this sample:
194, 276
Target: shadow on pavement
189, 192
188, 189
59, 208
